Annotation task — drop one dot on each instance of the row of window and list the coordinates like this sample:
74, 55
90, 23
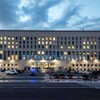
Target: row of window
87, 65
47, 38
49, 47
51, 52
77, 55
50, 42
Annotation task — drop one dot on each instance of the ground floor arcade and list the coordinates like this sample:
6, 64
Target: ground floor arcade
79, 65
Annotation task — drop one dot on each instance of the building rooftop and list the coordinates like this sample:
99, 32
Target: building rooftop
50, 30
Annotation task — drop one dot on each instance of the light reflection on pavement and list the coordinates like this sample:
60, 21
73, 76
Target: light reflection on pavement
91, 84
31, 81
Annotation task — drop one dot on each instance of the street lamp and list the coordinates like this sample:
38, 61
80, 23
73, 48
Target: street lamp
65, 53
96, 62
85, 62
1, 63
73, 61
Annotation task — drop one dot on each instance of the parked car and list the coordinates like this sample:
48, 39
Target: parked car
70, 76
19, 71
87, 77
3, 70
59, 76
11, 72
94, 78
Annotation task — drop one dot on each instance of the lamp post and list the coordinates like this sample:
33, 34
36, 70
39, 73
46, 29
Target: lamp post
85, 61
73, 61
65, 53
1, 64
96, 62
1, 61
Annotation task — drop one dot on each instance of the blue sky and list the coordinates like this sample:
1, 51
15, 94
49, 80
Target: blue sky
50, 14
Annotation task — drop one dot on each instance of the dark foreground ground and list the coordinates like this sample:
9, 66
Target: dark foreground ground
47, 91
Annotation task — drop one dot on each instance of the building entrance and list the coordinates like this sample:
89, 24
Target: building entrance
43, 65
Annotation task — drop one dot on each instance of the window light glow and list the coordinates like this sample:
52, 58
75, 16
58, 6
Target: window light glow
1, 52
54, 38
39, 52
24, 38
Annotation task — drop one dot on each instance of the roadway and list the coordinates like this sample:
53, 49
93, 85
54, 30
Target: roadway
47, 91
35, 88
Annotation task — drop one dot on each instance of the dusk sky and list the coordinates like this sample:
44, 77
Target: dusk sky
50, 14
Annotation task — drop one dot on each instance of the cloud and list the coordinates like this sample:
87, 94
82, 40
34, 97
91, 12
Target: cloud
24, 18
45, 14
8, 12
56, 12
77, 22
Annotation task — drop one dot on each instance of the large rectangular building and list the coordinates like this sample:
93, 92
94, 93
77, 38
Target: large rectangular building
76, 50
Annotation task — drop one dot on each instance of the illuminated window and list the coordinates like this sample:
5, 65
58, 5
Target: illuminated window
46, 38
12, 46
91, 58
12, 38
16, 57
39, 42
50, 38
68, 47
42, 52
4, 38
12, 42
91, 42
4, 42
84, 42
8, 58
46, 42
12, 57
42, 42
65, 53
73, 47
84, 47
88, 53
54, 38
46, 47
61, 47
87, 42
87, 47
9, 46
16, 42
8, 38
24, 38
38, 38
95, 43
42, 38
0, 38
50, 42
1, 52
39, 52
16, 47
8, 42
1, 42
